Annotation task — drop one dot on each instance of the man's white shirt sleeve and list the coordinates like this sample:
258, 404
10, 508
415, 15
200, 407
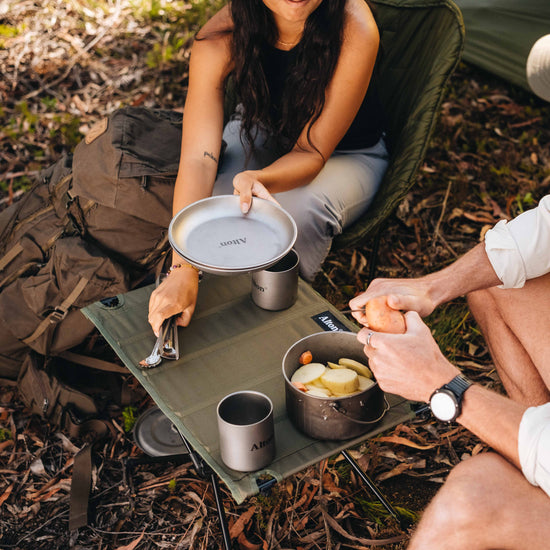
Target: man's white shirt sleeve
520, 249
534, 446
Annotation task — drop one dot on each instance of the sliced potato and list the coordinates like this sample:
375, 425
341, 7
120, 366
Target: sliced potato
358, 367
313, 389
335, 365
365, 383
308, 373
341, 381
318, 383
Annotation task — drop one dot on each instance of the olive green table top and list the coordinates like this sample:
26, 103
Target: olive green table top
230, 345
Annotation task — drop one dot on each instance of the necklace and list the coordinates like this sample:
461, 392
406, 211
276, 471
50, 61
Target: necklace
288, 44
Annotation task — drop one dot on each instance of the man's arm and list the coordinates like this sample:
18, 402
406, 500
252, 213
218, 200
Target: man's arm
494, 418
473, 271
512, 253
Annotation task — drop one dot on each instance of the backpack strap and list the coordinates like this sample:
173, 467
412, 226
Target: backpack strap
81, 479
81, 483
13, 253
59, 313
93, 362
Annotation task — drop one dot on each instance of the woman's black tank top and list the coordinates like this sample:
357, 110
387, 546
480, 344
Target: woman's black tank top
368, 125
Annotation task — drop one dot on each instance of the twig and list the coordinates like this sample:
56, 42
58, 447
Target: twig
443, 208
12, 175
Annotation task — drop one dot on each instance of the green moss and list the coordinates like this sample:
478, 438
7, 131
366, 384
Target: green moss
7, 31
376, 512
129, 418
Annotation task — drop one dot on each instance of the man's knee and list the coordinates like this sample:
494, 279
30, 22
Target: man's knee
467, 499
482, 303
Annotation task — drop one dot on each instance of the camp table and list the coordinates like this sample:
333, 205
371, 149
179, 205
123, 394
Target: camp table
230, 345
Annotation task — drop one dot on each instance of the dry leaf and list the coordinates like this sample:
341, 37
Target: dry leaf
238, 527
405, 441
245, 544
132, 545
6, 494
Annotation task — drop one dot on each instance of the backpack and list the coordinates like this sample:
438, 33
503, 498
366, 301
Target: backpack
94, 225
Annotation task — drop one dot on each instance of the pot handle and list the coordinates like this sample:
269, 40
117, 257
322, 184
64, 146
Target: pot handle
339, 409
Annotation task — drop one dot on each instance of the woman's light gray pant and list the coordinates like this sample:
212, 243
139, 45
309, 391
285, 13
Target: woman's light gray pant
338, 196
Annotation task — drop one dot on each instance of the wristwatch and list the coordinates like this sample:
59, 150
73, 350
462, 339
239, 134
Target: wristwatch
446, 402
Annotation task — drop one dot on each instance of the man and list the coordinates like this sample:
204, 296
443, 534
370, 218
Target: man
499, 499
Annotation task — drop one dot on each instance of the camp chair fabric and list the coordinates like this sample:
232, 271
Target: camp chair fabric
230, 345
501, 33
421, 45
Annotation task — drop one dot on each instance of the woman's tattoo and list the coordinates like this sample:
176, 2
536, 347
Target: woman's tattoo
210, 155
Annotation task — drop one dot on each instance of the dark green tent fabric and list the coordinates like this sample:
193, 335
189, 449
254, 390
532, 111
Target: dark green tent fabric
421, 45
230, 345
500, 34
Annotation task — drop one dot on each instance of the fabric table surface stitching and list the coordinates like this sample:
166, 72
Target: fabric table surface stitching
231, 344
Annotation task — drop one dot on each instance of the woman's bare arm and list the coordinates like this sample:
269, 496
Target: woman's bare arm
200, 150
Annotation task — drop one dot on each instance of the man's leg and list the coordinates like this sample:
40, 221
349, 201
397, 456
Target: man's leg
515, 325
486, 503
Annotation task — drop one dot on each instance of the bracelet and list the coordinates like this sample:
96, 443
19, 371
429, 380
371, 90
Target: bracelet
185, 264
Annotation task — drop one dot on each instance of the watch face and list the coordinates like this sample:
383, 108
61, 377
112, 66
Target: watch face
443, 405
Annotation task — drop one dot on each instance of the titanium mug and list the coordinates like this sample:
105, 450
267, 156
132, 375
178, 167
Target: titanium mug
276, 287
246, 430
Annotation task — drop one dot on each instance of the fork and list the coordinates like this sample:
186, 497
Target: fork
170, 344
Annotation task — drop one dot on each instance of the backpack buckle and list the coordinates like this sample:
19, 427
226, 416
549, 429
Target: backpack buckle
57, 315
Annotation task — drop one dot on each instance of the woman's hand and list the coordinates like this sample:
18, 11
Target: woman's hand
403, 294
246, 184
177, 293
410, 364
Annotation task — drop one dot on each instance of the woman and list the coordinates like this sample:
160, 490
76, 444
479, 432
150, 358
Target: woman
306, 133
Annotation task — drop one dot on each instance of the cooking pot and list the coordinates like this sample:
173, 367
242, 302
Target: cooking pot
334, 418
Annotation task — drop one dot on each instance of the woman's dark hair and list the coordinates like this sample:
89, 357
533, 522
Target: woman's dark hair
304, 93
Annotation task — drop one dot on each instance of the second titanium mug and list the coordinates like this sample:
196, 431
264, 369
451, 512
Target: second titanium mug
276, 287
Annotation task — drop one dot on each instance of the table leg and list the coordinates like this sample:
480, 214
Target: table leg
403, 522
221, 513
205, 471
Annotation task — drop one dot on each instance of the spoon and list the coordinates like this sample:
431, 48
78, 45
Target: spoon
154, 358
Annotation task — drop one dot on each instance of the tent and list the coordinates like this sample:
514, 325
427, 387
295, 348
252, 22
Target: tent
500, 34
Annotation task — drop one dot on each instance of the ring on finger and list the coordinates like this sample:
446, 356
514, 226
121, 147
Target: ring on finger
369, 335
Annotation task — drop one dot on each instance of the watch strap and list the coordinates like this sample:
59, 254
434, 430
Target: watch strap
458, 385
